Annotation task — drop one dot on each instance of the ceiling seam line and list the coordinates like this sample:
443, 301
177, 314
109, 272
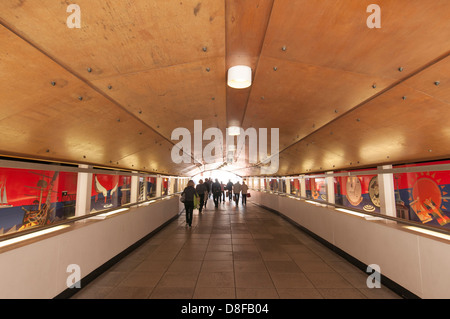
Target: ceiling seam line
224, 155
159, 68
226, 54
428, 95
257, 62
327, 67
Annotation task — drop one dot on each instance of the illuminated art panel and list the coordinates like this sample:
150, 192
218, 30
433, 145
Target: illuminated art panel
30, 198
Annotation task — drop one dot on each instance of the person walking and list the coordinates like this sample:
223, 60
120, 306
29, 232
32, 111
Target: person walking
222, 192
244, 190
237, 190
208, 190
209, 184
230, 189
215, 188
201, 190
189, 192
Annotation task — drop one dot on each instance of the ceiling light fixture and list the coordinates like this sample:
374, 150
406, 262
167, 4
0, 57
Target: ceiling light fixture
234, 130
239, 77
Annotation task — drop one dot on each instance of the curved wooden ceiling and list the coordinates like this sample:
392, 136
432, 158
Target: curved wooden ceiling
111, 92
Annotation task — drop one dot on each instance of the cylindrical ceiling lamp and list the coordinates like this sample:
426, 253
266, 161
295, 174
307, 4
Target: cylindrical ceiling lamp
234, 130
239, 77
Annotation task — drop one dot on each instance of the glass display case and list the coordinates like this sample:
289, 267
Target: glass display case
423, 195
109, 191
358, 191
31, 198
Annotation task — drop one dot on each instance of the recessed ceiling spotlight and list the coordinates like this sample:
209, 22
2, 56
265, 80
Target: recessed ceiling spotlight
239, 77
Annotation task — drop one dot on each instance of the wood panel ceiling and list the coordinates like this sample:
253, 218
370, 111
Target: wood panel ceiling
110, 93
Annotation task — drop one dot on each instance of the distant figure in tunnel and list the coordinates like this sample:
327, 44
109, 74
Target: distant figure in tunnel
189, 193
222, 191
208, 190
244, 190
237, 191
201, 190
216, 189
230, 189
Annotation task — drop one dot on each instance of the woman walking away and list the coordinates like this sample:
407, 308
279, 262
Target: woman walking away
189, 193
201, 190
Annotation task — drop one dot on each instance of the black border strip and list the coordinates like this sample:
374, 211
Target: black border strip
392, 285
69, 292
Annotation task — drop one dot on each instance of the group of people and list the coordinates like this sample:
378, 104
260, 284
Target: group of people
205, 189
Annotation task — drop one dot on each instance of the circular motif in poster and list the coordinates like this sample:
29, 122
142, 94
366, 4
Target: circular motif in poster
354, 190
374, 192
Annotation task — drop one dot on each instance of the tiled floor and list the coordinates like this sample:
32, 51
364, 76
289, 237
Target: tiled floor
233, 252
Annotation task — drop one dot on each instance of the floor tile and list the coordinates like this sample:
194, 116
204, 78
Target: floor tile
313, 266
214, 293
356, 279
291, 280
141, 279
299, 293
282, 266
256, 293
219, 255
379, 293
253, 280
93, 292
219, 247
275, 255
249, 266
247, 255
220, 241
240, 247
341, 293
172, 292
185, 265
153, 265
328, 280
190, 254
217, 265
110, 278
294, 248
224, 279
129, 293
179, 279
343, 266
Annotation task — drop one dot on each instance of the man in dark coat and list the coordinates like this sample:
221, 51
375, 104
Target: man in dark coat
216, 189
230, 189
